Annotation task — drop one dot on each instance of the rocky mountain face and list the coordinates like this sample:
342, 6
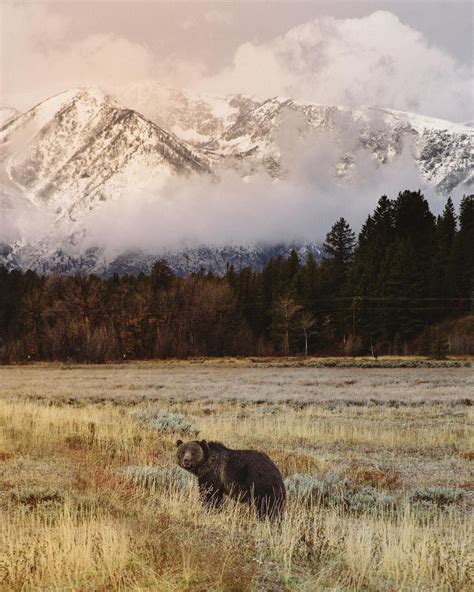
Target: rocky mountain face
81, 147
242, 132
73, 152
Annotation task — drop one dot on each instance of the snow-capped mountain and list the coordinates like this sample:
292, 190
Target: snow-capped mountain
243, 132
81, 147
73, 152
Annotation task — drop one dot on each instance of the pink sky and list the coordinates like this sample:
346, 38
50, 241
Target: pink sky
410, 55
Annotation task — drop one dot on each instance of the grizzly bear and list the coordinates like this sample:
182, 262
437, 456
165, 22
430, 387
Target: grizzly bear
247, 476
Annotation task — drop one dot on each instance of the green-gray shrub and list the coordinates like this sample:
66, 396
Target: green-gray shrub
334, 490
166, 422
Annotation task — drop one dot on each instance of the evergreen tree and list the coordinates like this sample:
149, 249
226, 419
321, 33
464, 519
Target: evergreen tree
370, 268
445, 231
293, 264
464, 251
161, 276
339, 245
338, 254
443, 280
311, 281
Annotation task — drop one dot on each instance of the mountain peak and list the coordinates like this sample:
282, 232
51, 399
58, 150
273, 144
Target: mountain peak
81, 147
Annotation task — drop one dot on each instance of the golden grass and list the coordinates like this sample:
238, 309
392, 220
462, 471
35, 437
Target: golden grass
70, 520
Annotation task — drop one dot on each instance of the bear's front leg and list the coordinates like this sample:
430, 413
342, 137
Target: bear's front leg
211, 494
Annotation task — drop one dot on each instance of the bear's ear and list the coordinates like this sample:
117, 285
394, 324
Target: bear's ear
178, 443
205, 446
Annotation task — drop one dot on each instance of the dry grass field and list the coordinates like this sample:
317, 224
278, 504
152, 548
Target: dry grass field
378, 465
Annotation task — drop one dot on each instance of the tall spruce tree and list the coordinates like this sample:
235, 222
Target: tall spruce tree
410, 271
338, 255
464, 251
369, 271
443, 281
339, 245
445, 231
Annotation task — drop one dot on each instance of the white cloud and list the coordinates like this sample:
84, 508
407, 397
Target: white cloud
42, 57
374, 60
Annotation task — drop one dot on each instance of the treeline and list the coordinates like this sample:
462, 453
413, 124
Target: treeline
389, 292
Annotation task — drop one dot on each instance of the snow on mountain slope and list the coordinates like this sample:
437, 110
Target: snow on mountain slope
7, 113
184, 262
70, 153
243, 132
81, 147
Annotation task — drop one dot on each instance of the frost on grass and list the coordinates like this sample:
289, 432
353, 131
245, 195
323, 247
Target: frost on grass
166, 422
334, 490
158, 477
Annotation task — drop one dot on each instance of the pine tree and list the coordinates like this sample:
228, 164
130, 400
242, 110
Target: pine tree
464, 250
443, 280
161, 275
293, 264
370, 268
311, 282
339, 244
338, 255
404, 292
446, 230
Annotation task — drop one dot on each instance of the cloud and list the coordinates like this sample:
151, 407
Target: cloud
260, 210
42, 56
373, 60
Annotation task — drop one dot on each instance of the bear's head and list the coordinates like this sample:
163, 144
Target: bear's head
191, 455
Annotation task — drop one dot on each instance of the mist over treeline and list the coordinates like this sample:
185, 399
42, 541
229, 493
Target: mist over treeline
403, 286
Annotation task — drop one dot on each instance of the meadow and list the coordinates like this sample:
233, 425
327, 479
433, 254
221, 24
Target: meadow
377, 461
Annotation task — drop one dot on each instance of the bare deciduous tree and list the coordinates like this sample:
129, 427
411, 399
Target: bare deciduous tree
307, 321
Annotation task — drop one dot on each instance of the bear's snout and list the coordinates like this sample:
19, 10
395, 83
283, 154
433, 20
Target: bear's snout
187, 461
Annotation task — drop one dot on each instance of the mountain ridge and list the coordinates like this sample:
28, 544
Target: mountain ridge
69, 154
243, 125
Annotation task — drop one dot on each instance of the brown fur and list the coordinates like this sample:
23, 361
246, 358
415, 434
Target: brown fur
244, 475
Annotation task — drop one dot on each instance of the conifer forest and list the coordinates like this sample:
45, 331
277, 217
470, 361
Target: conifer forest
403, 286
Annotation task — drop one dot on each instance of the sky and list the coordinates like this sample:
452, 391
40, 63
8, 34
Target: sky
410, 55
